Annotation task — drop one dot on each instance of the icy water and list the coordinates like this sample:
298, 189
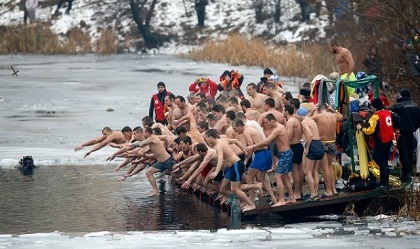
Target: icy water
57, 102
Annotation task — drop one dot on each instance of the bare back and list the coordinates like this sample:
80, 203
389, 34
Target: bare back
294, 130
343, 59
310, 129
326, 123
253, 136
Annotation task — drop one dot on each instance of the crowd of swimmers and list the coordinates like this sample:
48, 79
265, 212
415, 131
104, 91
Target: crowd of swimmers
223, 140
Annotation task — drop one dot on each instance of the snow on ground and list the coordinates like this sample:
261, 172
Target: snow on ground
171, 17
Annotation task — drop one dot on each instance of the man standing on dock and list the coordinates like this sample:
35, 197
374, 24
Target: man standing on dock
284, 165
231, 164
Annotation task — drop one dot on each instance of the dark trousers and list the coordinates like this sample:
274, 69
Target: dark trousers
201, 16
380, 156
405, 149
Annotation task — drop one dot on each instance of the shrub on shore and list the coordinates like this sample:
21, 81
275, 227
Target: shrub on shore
106, 43
39, 39
304, 59
28, 40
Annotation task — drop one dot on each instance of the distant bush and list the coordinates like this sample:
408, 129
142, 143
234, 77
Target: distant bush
39, 39
299, 60
28, 40
107, 43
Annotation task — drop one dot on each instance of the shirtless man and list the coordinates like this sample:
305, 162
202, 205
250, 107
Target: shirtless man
194, 132
269, 105
326, 119
256, 99
148, 122
345, 63
294, 131
108, 136
208, 159
234, 104
250, 113
261, 161
270, 92
285, 154
170, 104
222, 124
191, 98
181, 109
231, 164
164, 160
314, 151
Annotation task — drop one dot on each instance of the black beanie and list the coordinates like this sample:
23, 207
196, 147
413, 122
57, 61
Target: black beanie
268, 71
305, 92
160, 83
405, 93
377, 103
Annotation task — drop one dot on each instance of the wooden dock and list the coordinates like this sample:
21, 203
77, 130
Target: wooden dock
335, 205
361, 203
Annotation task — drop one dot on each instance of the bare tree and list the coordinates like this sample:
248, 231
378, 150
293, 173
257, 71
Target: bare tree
277, 11
258, 6
142, 12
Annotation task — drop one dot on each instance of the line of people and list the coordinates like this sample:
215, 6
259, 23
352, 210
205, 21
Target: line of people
228, 142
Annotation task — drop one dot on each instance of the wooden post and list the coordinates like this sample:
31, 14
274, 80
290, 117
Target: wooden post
235, 211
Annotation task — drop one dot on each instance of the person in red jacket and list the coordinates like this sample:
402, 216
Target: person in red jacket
157, 104
380, 125
204, 85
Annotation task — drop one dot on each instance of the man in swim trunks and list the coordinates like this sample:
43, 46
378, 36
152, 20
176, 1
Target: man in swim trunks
207, 158
294, 131
326, 119
314, 151
345, 63
231, 164
261, 161
164, 160
284, 165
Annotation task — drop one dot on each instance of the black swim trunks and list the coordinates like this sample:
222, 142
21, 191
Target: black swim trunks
297, 153
316, 150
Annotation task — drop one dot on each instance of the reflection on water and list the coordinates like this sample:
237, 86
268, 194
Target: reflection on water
89, 198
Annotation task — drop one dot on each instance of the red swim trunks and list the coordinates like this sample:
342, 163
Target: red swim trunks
206, 170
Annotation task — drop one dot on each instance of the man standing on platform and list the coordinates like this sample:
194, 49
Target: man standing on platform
200, 7
409, 113
157, 104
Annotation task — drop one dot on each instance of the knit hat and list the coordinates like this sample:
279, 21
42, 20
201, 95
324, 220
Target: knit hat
160, 83
377, 104
405, 93
305, 92
268, 71
302, 112
226, 72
